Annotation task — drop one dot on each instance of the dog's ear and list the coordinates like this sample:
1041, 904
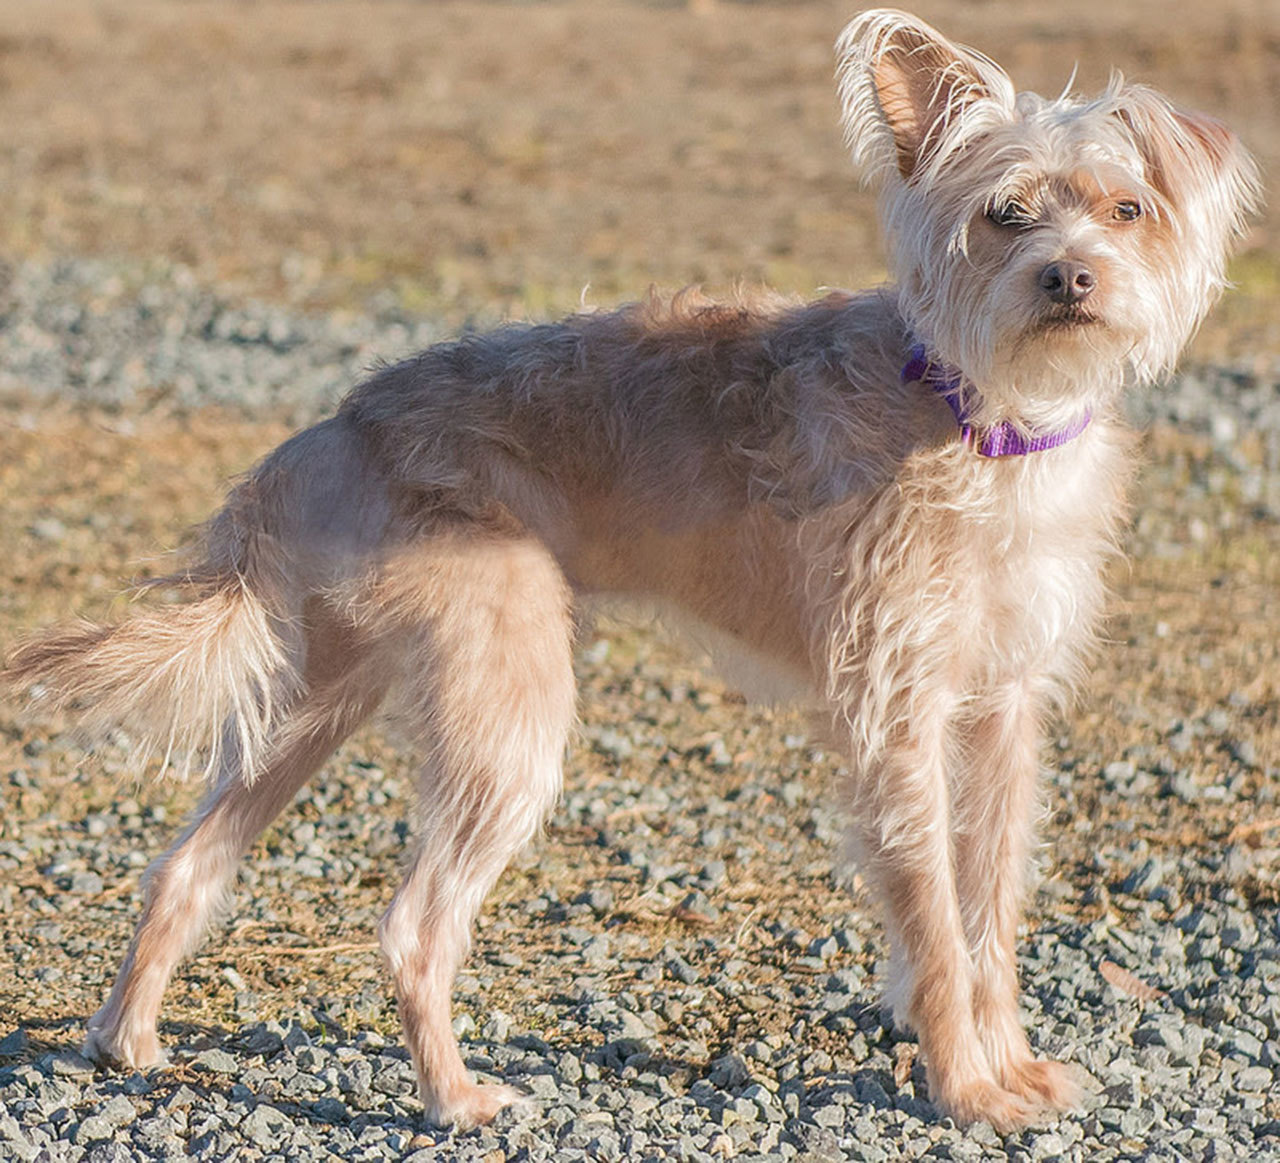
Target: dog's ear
1192, 159
907, 92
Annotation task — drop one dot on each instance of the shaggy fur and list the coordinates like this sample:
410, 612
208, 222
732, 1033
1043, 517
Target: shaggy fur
760, 466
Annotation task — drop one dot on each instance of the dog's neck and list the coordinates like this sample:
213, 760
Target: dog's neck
1003, 439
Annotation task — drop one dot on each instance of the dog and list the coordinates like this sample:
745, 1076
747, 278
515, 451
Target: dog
900, 500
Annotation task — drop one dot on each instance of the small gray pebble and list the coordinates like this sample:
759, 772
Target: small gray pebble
216, 1061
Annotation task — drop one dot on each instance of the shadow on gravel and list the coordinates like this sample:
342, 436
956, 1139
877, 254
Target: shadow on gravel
23, 1044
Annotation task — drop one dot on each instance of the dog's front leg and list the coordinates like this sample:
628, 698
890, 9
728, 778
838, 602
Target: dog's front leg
994, 801
903, 833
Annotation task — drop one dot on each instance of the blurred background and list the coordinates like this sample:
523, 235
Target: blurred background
475, 160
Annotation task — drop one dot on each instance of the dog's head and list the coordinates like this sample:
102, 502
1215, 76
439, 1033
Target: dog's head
1041, 246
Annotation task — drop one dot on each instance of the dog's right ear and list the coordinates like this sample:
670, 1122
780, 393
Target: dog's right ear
908, 95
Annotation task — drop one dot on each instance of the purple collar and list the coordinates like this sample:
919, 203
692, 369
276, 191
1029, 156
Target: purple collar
1003, 439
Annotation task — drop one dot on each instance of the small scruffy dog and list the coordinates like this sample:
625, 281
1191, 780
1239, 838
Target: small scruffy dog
900, 499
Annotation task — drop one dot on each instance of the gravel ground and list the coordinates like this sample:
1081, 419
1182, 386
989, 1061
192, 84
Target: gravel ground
97, 333
675, 972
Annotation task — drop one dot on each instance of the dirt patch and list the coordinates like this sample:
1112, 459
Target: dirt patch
492, 158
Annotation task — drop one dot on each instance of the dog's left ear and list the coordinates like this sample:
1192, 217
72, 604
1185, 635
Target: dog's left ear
1193, 160
908, 94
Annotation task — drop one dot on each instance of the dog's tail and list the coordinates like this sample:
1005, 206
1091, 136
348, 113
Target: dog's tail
185, 680
209, 678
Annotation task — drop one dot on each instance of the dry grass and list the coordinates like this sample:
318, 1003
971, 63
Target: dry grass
499, 158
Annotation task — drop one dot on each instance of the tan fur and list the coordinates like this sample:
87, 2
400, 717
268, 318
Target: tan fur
760, 466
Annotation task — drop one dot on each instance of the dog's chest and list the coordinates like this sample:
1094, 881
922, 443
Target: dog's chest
1032, 540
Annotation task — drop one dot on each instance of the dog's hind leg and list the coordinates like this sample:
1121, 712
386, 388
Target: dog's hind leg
494, 695
185, 886
995, 801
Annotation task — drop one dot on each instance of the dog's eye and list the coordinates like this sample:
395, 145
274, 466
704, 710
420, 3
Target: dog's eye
1010, 213
1127, 211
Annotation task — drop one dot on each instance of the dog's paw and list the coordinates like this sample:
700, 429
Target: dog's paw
1051, 1085
988, 1102
475, 1104
122, 1048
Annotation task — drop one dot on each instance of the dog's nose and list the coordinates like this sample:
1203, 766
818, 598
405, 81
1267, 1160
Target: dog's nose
1066, 281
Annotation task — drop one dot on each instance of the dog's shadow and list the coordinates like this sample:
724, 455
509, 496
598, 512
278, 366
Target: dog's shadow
53, 1047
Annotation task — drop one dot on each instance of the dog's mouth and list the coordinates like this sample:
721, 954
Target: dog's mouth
1066, 318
